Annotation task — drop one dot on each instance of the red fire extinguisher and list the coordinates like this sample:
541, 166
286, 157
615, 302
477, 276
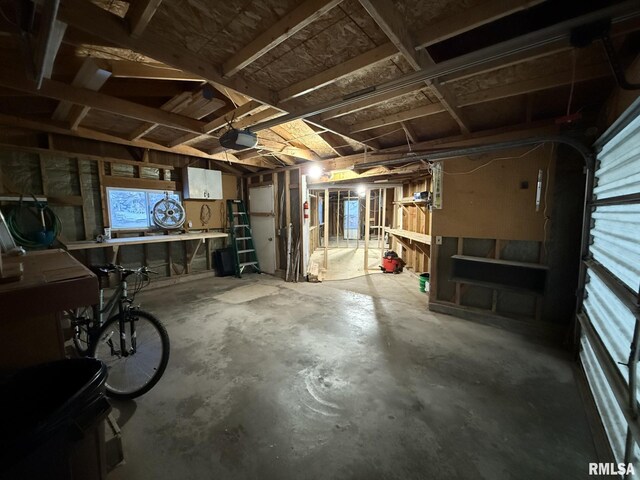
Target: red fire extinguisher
306, 210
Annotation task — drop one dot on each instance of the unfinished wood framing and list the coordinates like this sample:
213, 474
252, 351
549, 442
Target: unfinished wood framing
140, 14
287, 26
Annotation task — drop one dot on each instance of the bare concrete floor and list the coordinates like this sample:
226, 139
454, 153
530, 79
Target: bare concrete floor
347, 263
349, 379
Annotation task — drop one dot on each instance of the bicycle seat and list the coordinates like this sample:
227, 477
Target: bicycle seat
101, 270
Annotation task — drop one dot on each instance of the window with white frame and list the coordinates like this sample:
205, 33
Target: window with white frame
131, 208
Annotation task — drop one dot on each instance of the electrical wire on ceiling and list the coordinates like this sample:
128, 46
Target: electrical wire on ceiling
495, 160
369, 139
406, 135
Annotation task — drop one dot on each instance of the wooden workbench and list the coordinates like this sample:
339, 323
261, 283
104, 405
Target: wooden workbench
30, 329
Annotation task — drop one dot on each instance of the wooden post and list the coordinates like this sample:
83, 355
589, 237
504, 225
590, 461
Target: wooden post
326, 228
367, 219
338, 221
458, 285
85, 219
287, 196
103, 195
384, 218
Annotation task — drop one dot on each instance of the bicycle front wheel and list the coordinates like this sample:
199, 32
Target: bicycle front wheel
136, 370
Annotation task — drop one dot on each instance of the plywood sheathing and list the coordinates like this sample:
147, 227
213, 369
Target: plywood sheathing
418, 13
301, 134
163, 135
499, 113
405, 102
216, 30
117, 7
116, 124
434, 126
389, 135
373, 75
538, 68
330, 40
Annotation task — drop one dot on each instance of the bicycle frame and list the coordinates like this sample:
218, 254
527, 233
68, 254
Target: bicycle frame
104, 311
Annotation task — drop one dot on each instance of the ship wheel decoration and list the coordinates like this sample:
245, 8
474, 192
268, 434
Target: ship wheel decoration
168, 213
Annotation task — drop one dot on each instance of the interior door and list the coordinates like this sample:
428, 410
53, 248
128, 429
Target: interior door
263, 226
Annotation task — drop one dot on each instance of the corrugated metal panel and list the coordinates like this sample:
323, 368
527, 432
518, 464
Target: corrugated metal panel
619, 159
616, 241
612, 418
611, 319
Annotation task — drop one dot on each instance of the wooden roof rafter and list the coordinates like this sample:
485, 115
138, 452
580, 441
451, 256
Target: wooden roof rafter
284, 28
82, 132
394, 27
93, 20
140, 14
90, 76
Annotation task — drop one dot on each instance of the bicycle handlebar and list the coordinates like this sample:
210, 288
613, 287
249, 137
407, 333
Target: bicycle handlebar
125, 271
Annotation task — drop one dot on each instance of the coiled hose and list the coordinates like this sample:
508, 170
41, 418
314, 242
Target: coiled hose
44, 237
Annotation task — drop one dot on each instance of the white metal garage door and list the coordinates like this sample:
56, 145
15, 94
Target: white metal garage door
609, 321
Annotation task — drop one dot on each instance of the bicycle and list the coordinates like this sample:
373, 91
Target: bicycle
131, 342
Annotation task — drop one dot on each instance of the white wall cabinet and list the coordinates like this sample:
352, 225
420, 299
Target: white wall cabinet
202, 184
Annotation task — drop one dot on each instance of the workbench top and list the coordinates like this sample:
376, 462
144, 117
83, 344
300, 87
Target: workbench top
118, 242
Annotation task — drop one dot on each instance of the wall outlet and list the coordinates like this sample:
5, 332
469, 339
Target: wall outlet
438, 240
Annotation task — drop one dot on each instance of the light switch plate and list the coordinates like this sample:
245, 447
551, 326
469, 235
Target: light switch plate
438, 240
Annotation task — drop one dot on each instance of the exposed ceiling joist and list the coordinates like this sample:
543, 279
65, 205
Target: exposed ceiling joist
284, 28
432, 33
131, 69
484, 13
236, 114
536, 84
369, 102
92, 19
143, 130
77, 114
423, 111
330, 75
506, 50
96, 21
91, 77
465, 139
395, 28
140, 14
47, 42
99, 101
496, 93
81, 132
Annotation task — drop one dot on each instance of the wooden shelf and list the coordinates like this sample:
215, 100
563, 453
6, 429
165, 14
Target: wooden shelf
410, 201
118, 242
497, 261
499, 274
416, 237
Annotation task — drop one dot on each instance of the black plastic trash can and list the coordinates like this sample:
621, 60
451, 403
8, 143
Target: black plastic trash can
49, 413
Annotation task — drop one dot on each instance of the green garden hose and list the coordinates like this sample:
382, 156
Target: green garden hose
44, 237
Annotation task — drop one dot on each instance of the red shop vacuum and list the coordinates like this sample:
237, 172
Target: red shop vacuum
391, 263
